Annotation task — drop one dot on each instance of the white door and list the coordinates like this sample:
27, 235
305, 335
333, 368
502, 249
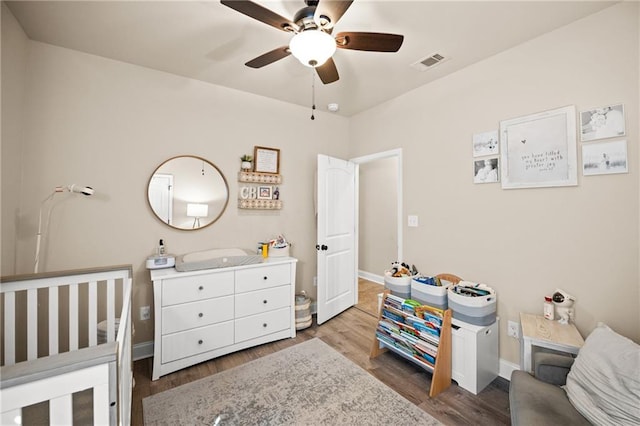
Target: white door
161, 196
337, 211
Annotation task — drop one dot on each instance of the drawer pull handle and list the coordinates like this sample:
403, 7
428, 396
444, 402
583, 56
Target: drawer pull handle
200, 288
264, 301
200, 314
264, 325
200, 342
264, 278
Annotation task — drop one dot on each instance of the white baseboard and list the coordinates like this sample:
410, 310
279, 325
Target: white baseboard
142, 350
371, 277
506, 368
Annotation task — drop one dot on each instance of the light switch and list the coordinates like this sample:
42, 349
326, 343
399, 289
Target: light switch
412, 221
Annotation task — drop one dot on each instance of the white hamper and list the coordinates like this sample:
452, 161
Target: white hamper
474, 355
479, 310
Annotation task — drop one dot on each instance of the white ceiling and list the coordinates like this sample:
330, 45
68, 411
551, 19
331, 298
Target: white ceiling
207, 41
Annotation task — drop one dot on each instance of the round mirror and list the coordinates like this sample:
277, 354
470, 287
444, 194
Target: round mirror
188, 192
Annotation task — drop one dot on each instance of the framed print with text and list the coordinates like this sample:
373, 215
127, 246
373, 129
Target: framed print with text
539, 150
267, 160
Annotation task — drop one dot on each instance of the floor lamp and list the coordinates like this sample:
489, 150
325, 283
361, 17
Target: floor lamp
197, 211
73, 188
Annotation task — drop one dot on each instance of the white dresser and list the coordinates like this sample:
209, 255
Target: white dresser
204, 314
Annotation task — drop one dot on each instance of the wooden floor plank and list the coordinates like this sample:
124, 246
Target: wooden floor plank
350, 333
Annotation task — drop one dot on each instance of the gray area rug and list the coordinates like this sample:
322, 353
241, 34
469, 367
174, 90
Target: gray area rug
306, 384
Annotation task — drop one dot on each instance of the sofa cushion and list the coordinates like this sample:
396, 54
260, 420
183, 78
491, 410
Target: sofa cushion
604, 384
534, 402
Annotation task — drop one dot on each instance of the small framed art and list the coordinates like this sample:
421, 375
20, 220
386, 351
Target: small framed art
603, 158
264, 193
601, 123
267, 160
485, 143
486, 171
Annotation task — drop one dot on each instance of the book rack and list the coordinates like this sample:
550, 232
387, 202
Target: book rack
423, 337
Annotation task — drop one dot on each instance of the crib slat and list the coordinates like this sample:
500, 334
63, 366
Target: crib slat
53, 320
93, 313
61, 410
9, 328
101, 404
32, 324
111, 310
11, 417
73, 317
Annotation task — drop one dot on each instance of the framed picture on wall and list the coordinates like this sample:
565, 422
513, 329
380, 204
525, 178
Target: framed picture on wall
601, 123
486, 171
264, 193
267, 160
603, 158
485, 143
539, 150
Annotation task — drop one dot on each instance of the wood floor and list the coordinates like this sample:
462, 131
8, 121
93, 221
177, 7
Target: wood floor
351, 333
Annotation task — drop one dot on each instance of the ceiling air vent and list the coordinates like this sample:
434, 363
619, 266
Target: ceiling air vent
429, 62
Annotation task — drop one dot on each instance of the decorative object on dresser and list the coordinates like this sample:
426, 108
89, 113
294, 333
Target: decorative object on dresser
207, 313
306, 384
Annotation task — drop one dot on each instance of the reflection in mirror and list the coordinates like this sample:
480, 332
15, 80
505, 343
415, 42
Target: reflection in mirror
188, 192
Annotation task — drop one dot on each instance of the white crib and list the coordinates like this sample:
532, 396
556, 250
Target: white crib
66, 347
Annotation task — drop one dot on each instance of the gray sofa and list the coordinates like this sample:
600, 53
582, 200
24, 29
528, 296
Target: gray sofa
538, 399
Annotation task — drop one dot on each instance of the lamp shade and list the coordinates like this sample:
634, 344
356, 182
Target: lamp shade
312, 47
197, 210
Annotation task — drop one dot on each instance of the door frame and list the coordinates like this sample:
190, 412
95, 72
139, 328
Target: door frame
393, 153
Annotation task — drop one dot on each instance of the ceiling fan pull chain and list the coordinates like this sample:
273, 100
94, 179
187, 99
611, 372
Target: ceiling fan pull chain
313, 93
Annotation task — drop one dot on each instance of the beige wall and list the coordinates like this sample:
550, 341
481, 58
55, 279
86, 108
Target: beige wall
14, 62
93, 121
377, 224
524, 243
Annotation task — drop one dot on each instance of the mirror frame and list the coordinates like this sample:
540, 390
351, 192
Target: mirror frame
195, 157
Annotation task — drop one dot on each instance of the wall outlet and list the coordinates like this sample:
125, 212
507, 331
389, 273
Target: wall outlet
513, 330
145, 313
412, 221
315, 281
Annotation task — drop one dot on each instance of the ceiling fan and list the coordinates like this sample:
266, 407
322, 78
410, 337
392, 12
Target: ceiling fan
313, 45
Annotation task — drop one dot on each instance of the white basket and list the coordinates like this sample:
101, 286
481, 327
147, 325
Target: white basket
279, 251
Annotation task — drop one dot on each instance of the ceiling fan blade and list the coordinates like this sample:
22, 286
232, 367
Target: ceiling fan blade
260, 13
328, 72
269, 57
372, 42
328, 12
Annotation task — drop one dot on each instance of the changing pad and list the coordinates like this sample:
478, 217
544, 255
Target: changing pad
216, 258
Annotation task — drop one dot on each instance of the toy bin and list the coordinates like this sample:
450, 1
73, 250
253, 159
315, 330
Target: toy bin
399, 286
429, 294
477, 310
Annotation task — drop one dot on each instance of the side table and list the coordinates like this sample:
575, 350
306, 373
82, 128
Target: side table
540, 332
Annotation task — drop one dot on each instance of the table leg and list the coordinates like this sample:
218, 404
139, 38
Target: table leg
525, 354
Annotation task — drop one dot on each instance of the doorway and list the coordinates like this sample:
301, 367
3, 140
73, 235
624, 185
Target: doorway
379, 222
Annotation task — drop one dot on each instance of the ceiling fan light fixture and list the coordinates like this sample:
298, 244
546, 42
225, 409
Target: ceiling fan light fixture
312, 47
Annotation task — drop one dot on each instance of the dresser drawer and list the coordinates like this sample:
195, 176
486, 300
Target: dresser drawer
196, 287
262, 324
198, 340
196, 314
259, 301
262, 277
